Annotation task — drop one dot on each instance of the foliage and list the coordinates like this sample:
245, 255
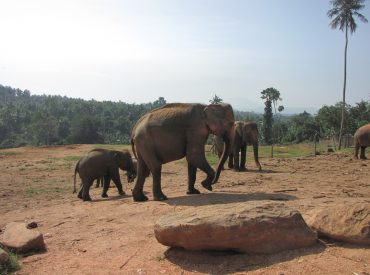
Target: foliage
27, 119
53, 120
267, 123
11, 265
216, 100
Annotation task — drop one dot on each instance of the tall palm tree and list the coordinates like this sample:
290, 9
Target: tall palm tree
342, 14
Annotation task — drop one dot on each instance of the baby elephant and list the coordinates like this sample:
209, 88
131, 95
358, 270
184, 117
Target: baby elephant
103, 163
362, 139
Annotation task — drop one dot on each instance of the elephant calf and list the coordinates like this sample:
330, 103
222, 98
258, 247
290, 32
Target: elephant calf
362, 139
103, 163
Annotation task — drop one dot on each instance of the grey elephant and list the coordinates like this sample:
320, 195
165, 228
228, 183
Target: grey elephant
246, 133
103, 163
362, 140
100, 180
179, 130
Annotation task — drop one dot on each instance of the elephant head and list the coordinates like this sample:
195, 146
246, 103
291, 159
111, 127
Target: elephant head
127, 163
220, 121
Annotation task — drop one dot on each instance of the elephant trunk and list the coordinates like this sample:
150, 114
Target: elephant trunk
228, 138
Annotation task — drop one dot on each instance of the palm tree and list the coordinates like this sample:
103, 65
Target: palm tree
342, 14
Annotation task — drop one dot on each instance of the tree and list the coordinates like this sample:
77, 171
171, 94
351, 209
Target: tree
274, 96
267, 123
342, 14
216, 100
271, 96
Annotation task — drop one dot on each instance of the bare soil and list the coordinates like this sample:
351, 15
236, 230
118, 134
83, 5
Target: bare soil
115, 235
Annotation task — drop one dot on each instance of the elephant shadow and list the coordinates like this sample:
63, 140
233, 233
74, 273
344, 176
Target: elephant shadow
229, 262
226, 197
111, 198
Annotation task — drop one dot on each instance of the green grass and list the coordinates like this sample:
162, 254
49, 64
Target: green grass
117, 147
9, 153
11, 265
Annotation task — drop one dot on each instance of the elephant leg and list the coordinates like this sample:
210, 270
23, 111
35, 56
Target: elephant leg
357, 147
106, 182
192, 176
236, 161
86, 189
362, 154
201, 163
255, 152
157, 189
114, 174
231, 161
243, 155
97, 183
142, 173
80, 192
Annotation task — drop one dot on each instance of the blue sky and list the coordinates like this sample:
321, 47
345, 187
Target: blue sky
185, 51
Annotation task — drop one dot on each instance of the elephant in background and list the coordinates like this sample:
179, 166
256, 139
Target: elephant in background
103, 163
246, 133
179, 130
362, 139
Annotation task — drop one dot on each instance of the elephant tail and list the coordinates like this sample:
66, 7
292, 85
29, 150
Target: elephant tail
74, 177
133, 147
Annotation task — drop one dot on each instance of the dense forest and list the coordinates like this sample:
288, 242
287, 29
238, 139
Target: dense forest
27, 119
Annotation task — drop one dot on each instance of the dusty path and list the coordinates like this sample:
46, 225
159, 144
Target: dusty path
115, 235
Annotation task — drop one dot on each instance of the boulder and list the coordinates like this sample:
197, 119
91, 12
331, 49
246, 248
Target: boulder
4, 257
349, 222
252, 227
20, 239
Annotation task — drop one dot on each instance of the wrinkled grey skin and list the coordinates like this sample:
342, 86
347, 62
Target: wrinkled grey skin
362, 140
103, 163
246, 133
179, 130
100, 180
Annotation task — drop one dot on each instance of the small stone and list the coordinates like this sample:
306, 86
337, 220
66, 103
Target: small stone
4, 257
32, 225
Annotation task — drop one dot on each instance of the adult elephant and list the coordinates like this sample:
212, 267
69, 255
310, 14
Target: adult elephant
179, 130
362, 140
246, 133
103, 163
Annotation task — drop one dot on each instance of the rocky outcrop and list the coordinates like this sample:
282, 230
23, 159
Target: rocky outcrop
345, 222
20, 239
253, 227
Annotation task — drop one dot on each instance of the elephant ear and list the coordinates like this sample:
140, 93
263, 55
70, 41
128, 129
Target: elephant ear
215, 118
117, 158
239, 128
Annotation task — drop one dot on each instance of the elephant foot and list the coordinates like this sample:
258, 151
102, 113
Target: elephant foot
79, 196
87, 199
207, 185
236, 169
104, 195
139, 197
259, 168
243, 169
160, 197
192, 191
122, 193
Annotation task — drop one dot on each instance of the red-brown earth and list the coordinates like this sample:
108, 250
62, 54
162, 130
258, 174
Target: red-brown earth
115, 235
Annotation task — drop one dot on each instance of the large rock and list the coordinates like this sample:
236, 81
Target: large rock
253, 227
20, 239
4, 257
345, 222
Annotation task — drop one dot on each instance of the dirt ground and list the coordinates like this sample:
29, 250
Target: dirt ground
115, 235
